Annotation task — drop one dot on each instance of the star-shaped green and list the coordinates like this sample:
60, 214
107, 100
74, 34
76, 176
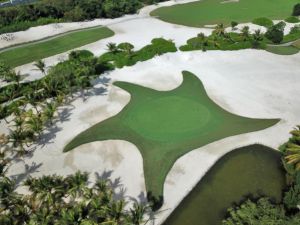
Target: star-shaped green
164, 125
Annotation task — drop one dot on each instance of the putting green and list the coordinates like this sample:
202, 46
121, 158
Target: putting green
208, 12
165, 125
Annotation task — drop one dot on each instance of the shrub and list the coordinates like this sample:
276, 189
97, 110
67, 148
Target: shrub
292, 19
263, 21
234, 24
276, 33
296, 11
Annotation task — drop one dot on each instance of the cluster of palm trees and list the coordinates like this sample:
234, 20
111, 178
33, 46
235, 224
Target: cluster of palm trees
292, 149
65, 200
220, 39
29, 107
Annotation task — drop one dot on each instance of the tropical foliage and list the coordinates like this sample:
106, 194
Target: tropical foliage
65, 200
222, 40
42, 12
260, 212
124, 55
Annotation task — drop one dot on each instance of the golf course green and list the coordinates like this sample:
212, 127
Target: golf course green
20, 55
251, 171
209, 12
164, 125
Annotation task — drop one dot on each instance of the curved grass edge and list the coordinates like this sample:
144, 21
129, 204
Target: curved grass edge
175, 218
155, 188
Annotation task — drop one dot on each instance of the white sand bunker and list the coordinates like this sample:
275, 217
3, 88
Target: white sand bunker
249, 83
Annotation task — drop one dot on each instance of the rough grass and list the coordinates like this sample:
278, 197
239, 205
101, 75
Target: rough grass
283, 50
207, 12
249, 171
40, 50
164, 125
263, 21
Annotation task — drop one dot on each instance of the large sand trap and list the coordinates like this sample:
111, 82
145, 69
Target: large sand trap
250, 83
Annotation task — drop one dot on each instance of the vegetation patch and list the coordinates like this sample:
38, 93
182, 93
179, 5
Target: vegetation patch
31, 52
282, 50
263, 21
123, 55
187, 119
208, 12
292, 19
251, 171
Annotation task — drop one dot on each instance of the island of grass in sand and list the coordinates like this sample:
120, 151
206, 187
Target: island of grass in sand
209, 12
164, 125
31, 52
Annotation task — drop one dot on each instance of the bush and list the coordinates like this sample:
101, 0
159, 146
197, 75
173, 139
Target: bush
296, 11
276, 33
263, 21
292, 19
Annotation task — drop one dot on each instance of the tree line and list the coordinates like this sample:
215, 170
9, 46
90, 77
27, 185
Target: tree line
22, 17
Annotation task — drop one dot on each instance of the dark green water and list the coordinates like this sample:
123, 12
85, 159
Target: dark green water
249, 171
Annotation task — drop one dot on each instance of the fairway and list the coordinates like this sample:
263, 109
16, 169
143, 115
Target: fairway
165, 125
249, 171
34, 51
209, 12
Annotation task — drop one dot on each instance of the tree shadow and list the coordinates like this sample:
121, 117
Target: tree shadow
29, 169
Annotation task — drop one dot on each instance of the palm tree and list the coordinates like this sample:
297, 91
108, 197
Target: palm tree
112, 47
16, 138
293, 149
3, 113
41, 66
201, 36
258, 36
48, 112
137, 213
77, 184
220, 30
35, 124
245, 33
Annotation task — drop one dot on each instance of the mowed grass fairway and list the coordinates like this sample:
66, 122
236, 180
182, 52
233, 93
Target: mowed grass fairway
165, 125
209, 12
34, 51
251, 171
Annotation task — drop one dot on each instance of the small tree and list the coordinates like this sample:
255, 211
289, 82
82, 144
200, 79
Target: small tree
234, 24
126, 47
112, 47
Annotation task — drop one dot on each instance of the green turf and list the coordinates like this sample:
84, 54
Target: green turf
165, 125
35, 51
283, 50
208, 12
249, 171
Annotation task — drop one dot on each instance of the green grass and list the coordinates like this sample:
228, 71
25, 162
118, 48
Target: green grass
208, 12
283, 50
249, 171
120, 59
35, 51
263, 21
164, 125
292, 19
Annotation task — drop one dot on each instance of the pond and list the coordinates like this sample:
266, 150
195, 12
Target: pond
250, 171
